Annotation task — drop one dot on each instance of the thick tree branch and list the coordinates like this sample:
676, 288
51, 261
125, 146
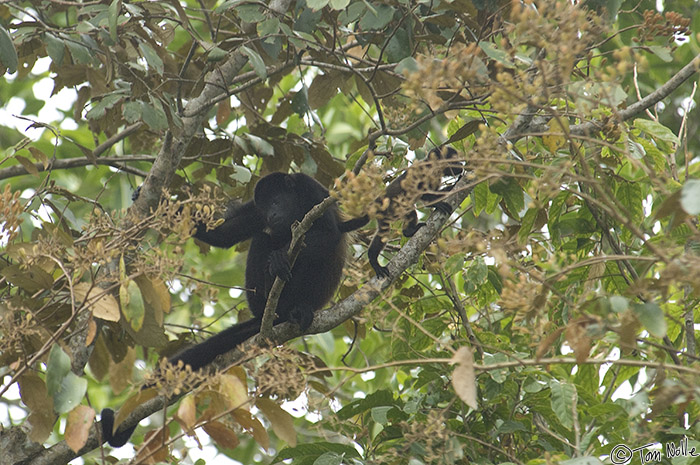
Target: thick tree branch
324, 320
296, 245
526, 125
67, 163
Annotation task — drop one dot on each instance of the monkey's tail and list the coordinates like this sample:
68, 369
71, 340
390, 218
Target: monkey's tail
206, 351
197, 357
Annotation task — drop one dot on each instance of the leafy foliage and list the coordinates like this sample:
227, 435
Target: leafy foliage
569, 268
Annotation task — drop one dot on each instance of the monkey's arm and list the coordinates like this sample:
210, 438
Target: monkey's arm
353, 224
238, 225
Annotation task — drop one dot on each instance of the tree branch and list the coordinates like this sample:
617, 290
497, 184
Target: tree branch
529, 128
324, 320
295, 246
63, 164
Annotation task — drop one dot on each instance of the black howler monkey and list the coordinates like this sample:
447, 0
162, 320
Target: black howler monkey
279, 200
421, 181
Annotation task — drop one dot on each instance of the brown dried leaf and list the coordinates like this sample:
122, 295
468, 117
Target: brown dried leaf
35, 396
547, 342
155, 450
78, 426
120, 373
579, 340
464, 378
246, 420
133, 402
221, 434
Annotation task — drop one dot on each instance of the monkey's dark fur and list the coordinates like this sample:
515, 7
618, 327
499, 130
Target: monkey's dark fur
419, 182
279, 200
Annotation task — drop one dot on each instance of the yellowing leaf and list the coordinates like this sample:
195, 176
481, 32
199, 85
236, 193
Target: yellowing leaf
102, 304
187, 413
155, 296
233, 391
555, 138
281, 421
132, 306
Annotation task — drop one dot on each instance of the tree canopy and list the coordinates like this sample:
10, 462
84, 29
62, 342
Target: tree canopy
550, 318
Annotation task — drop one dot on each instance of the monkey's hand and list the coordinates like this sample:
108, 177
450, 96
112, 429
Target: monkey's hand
135, 194
443, 207
302, 315
279, 264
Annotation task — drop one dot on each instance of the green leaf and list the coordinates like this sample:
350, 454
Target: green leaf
407, 65
308, 453
377, 18
399, 46
216, 54
656, 130
500, 376
526, 224
251, 13
268, 27
56, 369
99, 109
630, 195
480, 195
132, 111
151, 57
226, 5
70, 394
377, 399
329, 458
55, 47
132, 304
664, 53
113, 17
316, 4
339, 4
582, 461
652, 318
512, 194
498, 55
307, 22
80, 53
154, 115
65, 387
379, 414
8, 54
256, 62
300, 102
351, 13
563, 399
690, 197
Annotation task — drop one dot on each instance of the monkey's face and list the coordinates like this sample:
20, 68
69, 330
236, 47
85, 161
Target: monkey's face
280, 210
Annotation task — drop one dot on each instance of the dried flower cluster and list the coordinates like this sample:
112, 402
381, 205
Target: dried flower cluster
670, 25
